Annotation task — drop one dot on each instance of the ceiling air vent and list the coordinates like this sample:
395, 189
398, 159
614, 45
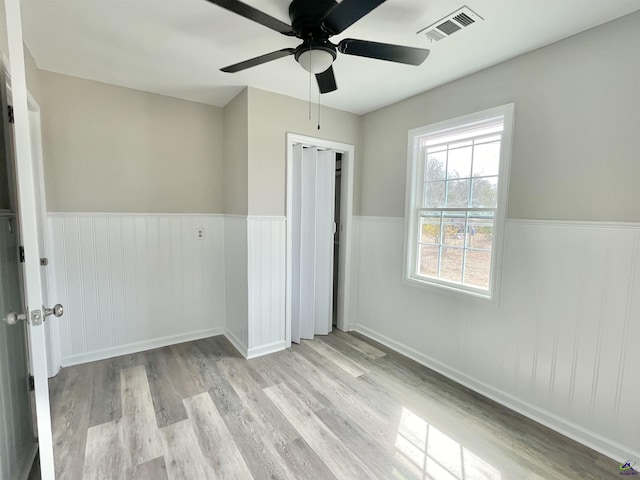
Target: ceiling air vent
446, 26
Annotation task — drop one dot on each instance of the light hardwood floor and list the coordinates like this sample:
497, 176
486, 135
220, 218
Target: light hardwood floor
339, 407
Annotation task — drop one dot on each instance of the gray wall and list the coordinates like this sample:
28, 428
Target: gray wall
575, 122
271, 117
113, 149
32, 75
568, 298
236, 155
577, 119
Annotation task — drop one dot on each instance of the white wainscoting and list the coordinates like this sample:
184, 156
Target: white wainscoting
266, 237
131, 282
235, 253
562, 345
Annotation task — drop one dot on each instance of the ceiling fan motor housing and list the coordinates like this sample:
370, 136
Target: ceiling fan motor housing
306, 17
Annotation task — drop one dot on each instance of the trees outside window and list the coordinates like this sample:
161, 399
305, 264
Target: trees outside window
457, 178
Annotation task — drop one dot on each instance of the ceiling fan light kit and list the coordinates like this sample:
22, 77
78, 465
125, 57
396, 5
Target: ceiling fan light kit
315, 59
314, 22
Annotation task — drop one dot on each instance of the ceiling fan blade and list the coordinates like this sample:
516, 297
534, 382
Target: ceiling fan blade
346, 13
254, 14
285, 52
383, 51
326, 81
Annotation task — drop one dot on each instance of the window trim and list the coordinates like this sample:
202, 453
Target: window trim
412, 209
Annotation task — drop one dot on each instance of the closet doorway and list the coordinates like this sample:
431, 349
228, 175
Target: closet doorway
319, 211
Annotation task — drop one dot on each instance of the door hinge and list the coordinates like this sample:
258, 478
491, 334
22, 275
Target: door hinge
44, 262
12, 119
21, 254
32, 383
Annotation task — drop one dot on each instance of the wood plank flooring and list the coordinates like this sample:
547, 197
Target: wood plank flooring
340, 407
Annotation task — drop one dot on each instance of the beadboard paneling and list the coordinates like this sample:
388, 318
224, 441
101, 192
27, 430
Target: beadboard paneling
235, 253
130, 282
266, 239
560, 345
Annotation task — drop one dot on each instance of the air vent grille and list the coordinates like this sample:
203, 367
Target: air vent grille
449, 27
434, 35
458, 20
464, 19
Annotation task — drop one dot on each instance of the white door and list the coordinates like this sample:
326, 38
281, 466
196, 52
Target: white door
313, 177
28, 219
296, 193
324, 240
17, 440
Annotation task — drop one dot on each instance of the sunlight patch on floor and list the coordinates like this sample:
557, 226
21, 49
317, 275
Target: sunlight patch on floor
437, 456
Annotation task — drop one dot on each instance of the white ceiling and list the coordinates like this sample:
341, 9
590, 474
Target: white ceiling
176, 47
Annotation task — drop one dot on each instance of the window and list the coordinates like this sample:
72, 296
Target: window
457, 178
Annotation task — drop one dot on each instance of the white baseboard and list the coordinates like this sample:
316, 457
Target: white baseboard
139, 346
266, 349
607, 447
237, 344
254, 352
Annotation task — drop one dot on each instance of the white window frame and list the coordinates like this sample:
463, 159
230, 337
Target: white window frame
414, 186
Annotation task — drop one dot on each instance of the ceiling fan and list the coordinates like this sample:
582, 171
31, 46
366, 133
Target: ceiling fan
314, 22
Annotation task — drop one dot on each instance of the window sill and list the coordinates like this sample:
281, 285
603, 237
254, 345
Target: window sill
450, 289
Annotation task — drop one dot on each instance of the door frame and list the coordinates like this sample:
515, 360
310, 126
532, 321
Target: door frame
54, 356
52, 327
346, 223
26, 185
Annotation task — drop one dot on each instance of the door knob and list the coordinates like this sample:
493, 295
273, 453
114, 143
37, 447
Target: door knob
12, 318
56, 311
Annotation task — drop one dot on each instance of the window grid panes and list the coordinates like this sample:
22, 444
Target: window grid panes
456, 217
462, 174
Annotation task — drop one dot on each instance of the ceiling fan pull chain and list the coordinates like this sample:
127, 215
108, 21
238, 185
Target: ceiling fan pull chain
319, 97
309, 96
310, 75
